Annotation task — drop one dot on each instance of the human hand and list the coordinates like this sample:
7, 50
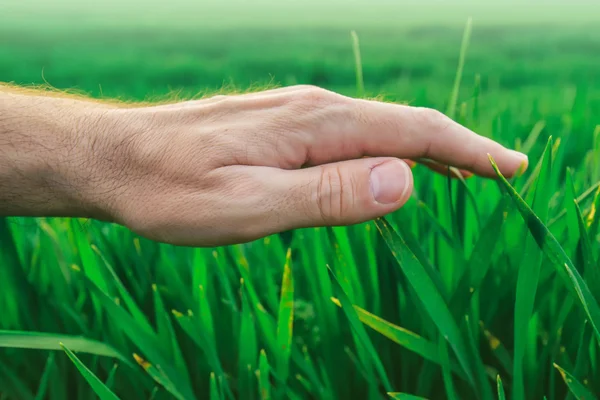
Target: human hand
230, 169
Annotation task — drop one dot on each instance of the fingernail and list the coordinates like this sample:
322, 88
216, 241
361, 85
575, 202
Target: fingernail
524, 161
391, 182
522, 157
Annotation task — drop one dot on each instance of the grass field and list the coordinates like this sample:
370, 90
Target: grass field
462, 294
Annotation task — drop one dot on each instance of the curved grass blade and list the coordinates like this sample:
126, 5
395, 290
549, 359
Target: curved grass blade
147, 342
580, 199
404, 396
550, 246
405, 338
360, 331
591, 272
571, 224
577, 388
159, 376
99, 388
133, 308
413, 244
593, 220
528, 275
50, 341
429, 296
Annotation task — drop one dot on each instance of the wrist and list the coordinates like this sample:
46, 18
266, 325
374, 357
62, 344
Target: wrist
46, 152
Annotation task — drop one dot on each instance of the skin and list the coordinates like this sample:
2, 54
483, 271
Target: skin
227, 169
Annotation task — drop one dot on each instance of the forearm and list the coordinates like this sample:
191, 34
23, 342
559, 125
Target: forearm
44, 142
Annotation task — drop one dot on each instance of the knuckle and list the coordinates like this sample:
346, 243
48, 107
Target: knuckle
335, 195
219, 97
306, 87
314, 96
430, 117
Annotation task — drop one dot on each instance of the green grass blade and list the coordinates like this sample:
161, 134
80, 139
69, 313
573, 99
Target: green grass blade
532, 139
484, 388
405, 338
11, 383
50, 341
501, 353
166, 335
285, 323
573, 230
156, 372
580, 199
582, 357
481, 259
593, 219
99, 388
501, 395
16, 291
360, 84
548, 243
110, 381
413, 244
194, 329
528, 276
404, 396
263, 374
133, 308
451, 112
88, 260
360, 332
248, 349
147, 342
446, 375
577, 388
429, 296
214, 388
591, 272
43, 386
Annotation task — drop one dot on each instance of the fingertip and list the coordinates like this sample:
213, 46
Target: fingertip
510, 163
519, 161
523, 167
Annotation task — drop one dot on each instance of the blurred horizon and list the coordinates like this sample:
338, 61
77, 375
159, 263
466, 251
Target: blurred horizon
349, 14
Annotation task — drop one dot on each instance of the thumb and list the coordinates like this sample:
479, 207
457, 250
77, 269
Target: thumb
343, 193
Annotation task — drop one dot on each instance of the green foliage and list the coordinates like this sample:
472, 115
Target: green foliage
100, 388
468, 282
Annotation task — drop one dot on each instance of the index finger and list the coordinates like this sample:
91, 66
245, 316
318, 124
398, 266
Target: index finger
378, 129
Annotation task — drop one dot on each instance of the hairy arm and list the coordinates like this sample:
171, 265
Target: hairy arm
45, 147
226, 169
